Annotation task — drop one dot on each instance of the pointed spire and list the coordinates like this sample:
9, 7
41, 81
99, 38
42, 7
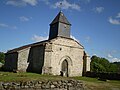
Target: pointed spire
60, 18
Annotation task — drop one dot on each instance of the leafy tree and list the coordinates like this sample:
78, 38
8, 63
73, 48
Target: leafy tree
118, 66
2, 57
96, 67
113, 67
98, 64
105, 63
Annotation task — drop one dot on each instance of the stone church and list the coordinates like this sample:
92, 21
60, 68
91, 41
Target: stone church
59, 55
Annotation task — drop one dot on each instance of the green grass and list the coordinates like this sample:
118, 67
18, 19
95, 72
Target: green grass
90, 83
86, 79
9, 76
95, 84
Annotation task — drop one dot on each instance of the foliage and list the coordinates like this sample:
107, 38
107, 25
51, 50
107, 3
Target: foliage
113, 68
118, 65
99, 64
102, 65
97, 67
105, 63
2, 57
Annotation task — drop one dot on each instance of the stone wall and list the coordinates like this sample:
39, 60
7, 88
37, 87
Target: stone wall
23, 59
36, 59
47, 58
43, 85
71, 51
88, 63
61, 49
11, 60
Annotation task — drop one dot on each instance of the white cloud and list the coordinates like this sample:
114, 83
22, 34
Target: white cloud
95, 54
22, 2
66, 5
74, 38
109, 56
46, 2
31, 2
15, 3
37, 38
3, 25
114, 21
118, 16
115, 60
85, 1
112, 58
23, 18
98, 9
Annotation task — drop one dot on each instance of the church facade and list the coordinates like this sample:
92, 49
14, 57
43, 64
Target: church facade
59, 55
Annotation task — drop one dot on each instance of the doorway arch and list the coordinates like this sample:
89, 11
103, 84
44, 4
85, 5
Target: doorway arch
65, 64
64, 68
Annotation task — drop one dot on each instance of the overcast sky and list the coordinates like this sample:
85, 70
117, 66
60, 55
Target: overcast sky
95, 23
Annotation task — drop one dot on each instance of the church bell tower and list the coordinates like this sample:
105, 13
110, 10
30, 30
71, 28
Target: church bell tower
60, 26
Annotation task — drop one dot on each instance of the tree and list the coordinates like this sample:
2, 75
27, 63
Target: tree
96, 67
118, 66
2, 57
113, 67
98, 64
103, 65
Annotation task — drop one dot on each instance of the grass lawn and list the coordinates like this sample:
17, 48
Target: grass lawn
95, 84
22, 76
90, 83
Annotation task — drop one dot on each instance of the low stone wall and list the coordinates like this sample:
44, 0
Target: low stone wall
43, 85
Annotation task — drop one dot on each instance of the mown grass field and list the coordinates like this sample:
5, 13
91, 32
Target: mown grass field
95, 84
90, 83
22, 76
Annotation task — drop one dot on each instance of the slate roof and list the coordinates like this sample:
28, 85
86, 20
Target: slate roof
60, 18
26, 46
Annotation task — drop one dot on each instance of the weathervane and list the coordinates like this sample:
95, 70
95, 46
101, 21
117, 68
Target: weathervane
60, 6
